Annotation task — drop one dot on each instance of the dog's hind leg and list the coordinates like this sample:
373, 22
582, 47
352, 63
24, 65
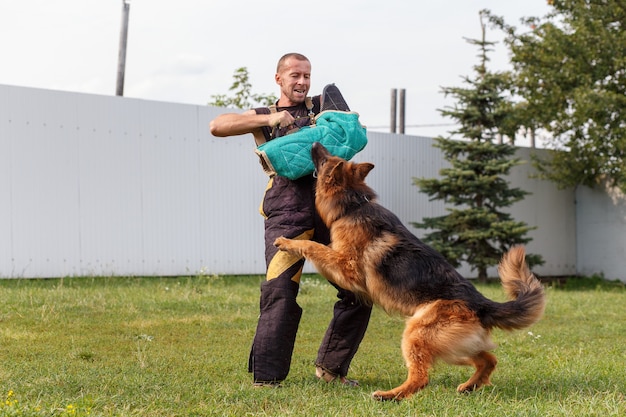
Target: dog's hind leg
467, 343
485, 364
418, 356
445, 329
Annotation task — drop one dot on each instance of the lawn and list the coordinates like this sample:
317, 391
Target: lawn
179, 347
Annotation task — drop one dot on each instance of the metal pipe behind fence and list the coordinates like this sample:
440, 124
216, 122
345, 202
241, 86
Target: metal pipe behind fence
402, 101
121, 64
394, 109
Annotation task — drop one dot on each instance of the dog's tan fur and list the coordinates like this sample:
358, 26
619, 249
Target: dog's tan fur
374, 255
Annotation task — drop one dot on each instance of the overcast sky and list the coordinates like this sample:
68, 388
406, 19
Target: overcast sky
185, 51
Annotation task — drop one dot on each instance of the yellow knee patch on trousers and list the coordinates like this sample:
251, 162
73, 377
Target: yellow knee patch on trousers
284, 260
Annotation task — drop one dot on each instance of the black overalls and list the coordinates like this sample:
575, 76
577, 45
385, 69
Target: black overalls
289, 210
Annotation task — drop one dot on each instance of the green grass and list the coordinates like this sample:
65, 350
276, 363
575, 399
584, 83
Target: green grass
179, 347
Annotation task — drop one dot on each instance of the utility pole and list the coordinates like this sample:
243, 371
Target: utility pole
121, 63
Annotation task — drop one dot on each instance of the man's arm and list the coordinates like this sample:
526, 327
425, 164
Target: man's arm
232, 124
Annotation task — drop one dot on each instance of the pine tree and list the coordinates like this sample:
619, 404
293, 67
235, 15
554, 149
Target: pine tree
476, 230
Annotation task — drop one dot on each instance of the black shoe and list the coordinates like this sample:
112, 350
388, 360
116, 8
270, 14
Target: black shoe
332, 99
266, 384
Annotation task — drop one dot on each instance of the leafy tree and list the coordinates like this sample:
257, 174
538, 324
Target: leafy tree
476, 230
570, 70
243, 98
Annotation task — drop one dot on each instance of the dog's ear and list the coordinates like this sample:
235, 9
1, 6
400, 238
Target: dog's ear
336, 174
362, 169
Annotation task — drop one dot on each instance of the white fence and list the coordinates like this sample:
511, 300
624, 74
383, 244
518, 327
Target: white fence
97, 185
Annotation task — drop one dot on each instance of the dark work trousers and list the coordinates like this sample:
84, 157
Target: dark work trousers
289, 210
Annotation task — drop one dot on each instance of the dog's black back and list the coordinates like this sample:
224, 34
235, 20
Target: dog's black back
416, 272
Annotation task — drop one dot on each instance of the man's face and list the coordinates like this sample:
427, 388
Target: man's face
294, 80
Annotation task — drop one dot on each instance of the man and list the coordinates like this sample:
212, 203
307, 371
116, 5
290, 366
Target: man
289, 210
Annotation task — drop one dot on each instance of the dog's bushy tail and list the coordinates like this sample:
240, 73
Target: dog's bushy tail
528, 298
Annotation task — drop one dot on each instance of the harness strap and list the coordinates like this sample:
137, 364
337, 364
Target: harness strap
308, 102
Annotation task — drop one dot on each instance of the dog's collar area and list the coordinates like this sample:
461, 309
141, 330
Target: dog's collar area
356, 203
360, 199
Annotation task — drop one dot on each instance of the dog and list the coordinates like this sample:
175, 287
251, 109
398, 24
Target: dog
375, 256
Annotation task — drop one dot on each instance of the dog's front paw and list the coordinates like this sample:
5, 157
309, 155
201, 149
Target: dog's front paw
282, 243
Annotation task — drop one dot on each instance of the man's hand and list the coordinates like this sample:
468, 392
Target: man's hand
281, 119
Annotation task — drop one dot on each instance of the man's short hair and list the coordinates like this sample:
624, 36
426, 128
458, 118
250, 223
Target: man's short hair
285, 57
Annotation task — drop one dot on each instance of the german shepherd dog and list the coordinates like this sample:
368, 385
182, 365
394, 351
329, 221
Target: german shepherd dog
375, 256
